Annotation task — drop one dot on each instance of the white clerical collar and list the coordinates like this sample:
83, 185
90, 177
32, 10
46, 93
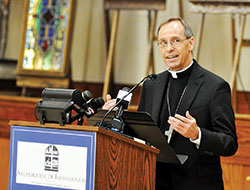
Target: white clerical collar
174, 73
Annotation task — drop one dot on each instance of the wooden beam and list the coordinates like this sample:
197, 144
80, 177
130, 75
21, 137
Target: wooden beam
111, 52
233, 35
199, 37
180, 9
237, 57
220, 6
150, 63
87, 44
233, 91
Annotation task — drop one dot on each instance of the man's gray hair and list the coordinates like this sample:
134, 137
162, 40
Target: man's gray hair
187, 29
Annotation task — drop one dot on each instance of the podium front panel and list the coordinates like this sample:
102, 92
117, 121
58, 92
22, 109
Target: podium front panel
42, 158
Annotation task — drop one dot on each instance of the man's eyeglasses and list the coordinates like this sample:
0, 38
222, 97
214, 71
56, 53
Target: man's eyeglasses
173, 43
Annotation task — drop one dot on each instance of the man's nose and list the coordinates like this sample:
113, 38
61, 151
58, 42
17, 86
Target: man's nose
169, 47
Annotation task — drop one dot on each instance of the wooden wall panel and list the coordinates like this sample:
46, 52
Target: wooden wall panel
15, 108
232, 176
4, 163
236, 168
12, 108
242, 102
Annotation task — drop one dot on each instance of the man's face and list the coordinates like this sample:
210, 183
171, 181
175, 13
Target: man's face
175, 48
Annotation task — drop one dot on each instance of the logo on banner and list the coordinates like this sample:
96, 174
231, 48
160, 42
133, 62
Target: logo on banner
51, 158
42, 166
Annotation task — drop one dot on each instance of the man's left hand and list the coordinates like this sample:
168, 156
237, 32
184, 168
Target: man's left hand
186, 126
109, 103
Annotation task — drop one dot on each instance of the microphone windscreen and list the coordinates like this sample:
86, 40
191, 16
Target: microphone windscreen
86, 95
93, 106
127, 89
99, 102
152, 76
123, 93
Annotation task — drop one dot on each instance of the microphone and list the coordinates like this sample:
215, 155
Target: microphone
126, 101
86, 95
151, 77
88, 109
93, 106
117, 123
54, 94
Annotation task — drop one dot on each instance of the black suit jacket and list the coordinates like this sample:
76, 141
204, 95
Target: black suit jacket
208, 99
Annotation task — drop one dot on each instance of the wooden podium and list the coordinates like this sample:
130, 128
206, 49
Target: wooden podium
120, 162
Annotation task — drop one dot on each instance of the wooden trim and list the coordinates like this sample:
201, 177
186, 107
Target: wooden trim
23, 36
135, 4
221, 2
66, 51
41, 73
42, 82
19, 99
242, 116
220, 6
68, 38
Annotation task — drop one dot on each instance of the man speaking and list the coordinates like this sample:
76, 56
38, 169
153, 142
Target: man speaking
192, 108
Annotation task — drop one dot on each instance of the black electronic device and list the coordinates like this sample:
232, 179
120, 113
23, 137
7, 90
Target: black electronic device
57, 106
141, 126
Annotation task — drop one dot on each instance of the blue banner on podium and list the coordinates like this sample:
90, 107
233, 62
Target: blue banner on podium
42, 158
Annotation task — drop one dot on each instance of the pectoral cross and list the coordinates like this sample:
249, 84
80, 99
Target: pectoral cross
168, 133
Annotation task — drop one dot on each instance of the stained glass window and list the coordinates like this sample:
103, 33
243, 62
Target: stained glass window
45, 36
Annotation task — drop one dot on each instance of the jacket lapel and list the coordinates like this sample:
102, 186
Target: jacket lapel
158, 95
193, 86
194, 83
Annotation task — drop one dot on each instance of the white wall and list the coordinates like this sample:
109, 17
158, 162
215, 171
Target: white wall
88, 53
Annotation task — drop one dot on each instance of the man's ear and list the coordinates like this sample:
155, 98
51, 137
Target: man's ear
191, 43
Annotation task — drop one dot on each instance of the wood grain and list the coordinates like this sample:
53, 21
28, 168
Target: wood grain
217, 2
220, 6
4, 164
135, 4
15, 108
236, 168
124, 166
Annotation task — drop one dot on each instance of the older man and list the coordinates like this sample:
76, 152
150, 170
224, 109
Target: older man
192, 107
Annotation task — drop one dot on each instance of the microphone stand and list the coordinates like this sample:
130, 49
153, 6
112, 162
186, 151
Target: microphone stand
152, 77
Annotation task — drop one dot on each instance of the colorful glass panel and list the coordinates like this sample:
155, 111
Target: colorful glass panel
45, 36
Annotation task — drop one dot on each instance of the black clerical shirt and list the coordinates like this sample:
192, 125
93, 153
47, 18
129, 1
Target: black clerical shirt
174, 93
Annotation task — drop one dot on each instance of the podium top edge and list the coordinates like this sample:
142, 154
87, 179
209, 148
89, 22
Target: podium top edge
53, 126
87, 128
